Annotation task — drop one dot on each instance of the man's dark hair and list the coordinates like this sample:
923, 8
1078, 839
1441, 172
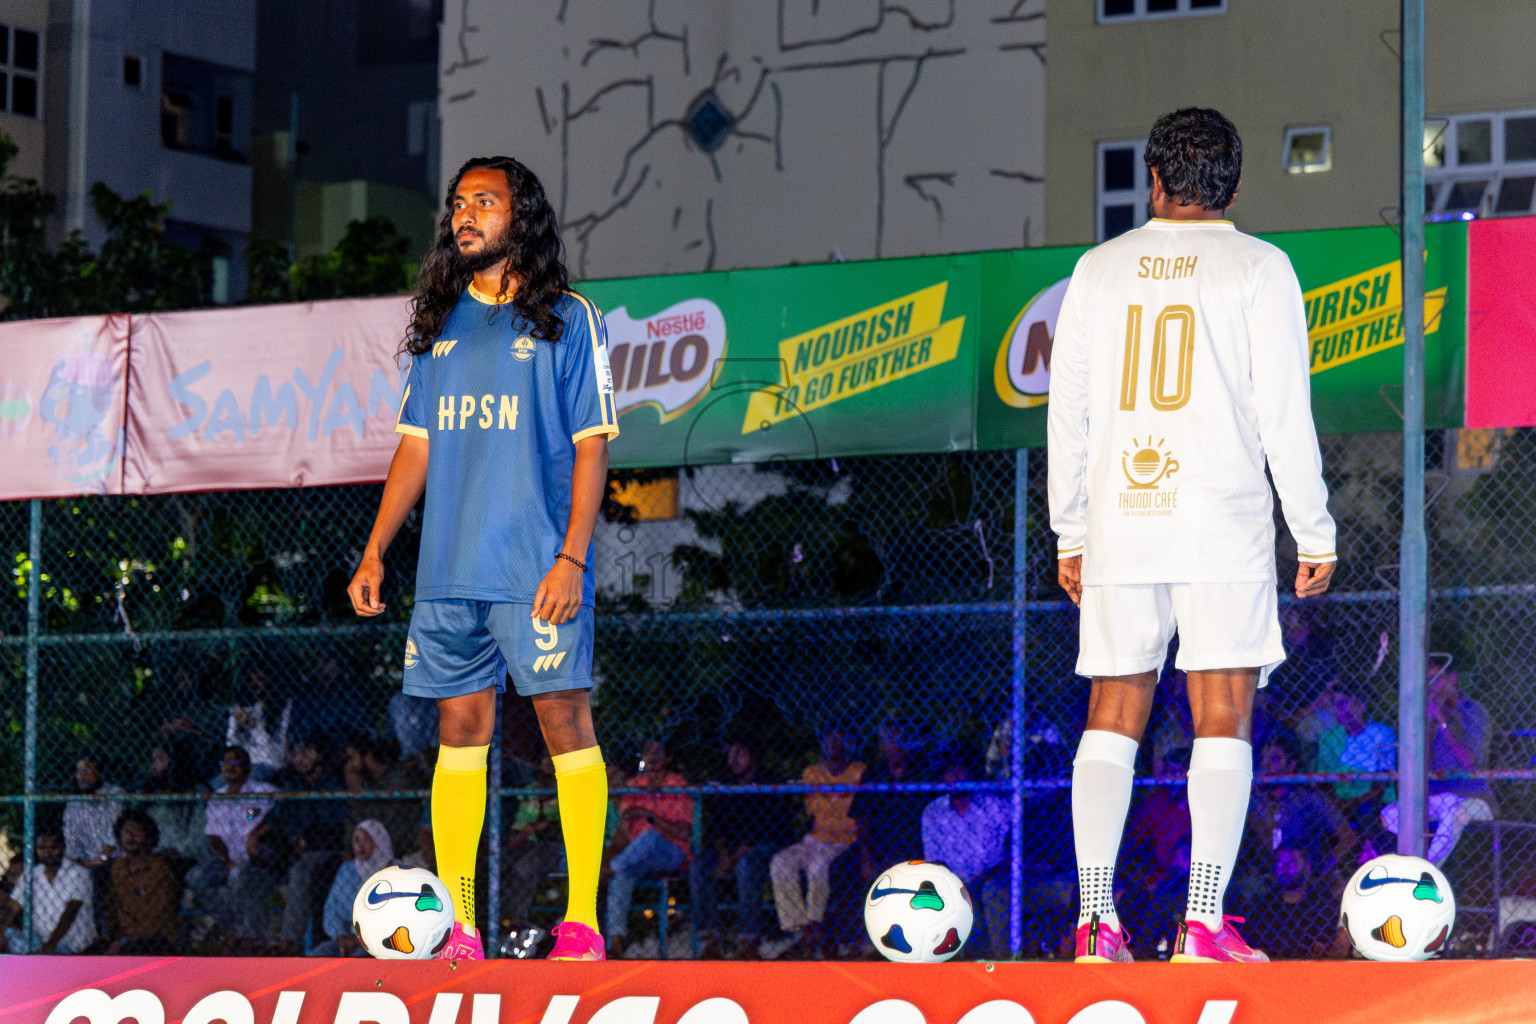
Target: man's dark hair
534, 255
151, 829
1198, 155
240, 752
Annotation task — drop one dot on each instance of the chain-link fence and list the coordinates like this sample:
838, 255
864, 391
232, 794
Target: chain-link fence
828, 667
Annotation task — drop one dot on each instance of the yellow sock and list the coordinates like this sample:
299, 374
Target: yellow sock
581, 785
458, 814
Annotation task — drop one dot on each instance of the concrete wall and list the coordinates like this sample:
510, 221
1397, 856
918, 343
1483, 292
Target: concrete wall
1269, 65
101, 130
29, 134
863, 128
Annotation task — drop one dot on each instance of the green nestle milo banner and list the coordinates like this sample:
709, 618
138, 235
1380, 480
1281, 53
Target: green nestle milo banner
948, 353
1352, 285
869, 358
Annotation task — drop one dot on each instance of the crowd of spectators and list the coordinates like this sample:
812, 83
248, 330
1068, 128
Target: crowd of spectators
210, 856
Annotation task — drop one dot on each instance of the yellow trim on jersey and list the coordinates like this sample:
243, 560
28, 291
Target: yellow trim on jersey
406, 428
1331, 556
489, 300
599, 357
1202, 220
1070, 552
610, 431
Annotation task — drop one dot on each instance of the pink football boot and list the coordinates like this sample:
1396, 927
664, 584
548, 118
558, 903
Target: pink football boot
576, 941
461, 946
1098, 943
1196, 944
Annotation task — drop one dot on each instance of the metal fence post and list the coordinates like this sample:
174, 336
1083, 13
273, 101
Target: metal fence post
29, 757
493, 851
1413, 597
1016, 741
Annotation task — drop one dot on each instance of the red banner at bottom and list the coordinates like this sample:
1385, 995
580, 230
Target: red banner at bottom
64, 990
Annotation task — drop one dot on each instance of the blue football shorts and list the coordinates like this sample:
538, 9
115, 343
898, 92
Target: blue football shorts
459, 647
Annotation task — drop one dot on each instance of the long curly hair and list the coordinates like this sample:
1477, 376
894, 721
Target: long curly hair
534, 257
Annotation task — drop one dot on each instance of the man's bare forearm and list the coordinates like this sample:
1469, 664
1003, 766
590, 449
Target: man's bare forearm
403, 487
589, 478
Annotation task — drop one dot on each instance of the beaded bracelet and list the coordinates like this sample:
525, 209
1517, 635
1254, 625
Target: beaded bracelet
573, 560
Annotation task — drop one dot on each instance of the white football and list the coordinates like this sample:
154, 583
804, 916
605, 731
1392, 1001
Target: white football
1398, 908
403, 914
918, 913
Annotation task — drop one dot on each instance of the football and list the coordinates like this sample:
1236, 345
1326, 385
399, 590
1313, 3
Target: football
1398, 908
918, 913
402, 914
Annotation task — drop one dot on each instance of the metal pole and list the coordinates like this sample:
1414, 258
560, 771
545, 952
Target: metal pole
293, 177
1414, 575
493, 851
29, 756
1016, 741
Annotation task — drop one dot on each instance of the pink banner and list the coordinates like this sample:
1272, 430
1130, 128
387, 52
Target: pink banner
1501, 323
264, 396
61, 406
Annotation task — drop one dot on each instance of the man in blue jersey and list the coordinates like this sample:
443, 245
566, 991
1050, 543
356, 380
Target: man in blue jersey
505, 422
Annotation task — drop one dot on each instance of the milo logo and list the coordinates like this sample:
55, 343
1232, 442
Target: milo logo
665, 360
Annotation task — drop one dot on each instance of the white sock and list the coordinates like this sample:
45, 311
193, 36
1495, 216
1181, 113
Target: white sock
1220, 779
1101, 795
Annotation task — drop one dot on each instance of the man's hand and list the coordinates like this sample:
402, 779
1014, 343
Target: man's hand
1069, 573
1312, 578
365, 586
558, 598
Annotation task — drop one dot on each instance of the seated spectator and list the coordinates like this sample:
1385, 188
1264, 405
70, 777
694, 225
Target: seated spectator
182, 825
1159, 821
413, 722
742, 834
371, 851
1301, 913
1354, 744
1281, 814
1154, 916
1172, 726
141, 917
1311, 665
88, 823
970, 833
231, 821
62, 894
328, 707
1460, 731
659, 837
535, 849
890, 829
374, 765
833, 830
308, 771
249, 726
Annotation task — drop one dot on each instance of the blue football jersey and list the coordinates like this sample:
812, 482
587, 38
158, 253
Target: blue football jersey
502, 412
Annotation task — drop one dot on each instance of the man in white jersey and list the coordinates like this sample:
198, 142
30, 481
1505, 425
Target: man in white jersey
1179, 367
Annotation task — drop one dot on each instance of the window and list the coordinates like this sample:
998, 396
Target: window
204, 108
1139, 10
20, 50
133, 71
1480, 165
1308, 149
1124, 190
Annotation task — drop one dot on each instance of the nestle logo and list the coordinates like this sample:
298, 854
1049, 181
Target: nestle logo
682, 323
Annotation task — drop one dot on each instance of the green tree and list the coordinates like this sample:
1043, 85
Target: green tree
371, 259
136, 270
270, 272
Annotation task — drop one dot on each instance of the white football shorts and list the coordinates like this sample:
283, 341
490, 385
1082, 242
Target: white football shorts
1125, 629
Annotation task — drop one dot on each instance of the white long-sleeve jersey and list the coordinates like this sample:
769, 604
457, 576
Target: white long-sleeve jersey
1179, 366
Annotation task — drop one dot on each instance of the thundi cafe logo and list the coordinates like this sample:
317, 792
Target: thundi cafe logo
665, 360
1021, 374
522, 348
